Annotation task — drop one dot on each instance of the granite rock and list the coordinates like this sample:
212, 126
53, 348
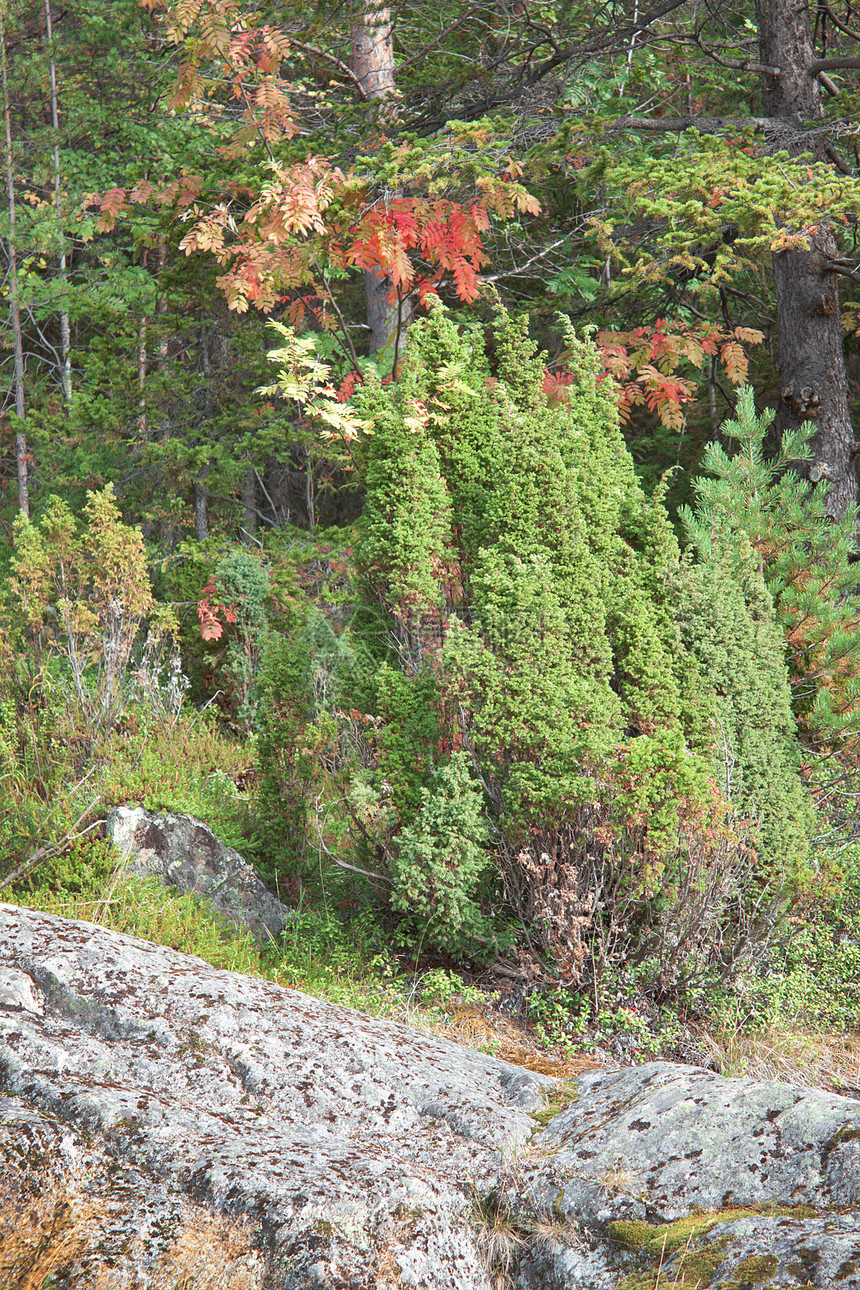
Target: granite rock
184, 853
176, 1112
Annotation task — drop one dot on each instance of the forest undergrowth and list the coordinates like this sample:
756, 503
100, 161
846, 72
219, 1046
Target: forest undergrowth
532, 763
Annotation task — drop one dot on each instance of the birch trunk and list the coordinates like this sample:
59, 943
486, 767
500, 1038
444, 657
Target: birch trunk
373, 66
201, 496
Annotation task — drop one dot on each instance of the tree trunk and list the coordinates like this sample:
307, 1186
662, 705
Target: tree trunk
812, 365
387, 320
373, 52
142, 369
785, 42
813, 379
144, 426
201, 513
248, 531
21, 454
201, 496
65, 330
373, 65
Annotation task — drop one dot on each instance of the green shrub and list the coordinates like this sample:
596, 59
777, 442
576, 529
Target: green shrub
729, 625
815, 981
536, 631
241, 584
749, 504
301, 681
440, 859
79, 598
537, 688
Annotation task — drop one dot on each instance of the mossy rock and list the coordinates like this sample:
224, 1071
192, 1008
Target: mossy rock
556, 1102
757, 1267
696, 1269
652, 1239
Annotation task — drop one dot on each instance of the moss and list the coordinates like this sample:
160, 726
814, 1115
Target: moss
194, 1045
698, 1269
555, 1102
839, 1138
650, 1237
694, 1271
655, 1243
629, 1234
757, 1267
656, 1238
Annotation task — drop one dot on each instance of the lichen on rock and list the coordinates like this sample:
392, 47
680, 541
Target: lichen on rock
151, 1106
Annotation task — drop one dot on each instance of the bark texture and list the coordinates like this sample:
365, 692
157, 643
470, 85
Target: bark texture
373, 53
373, 66
785, 44
813, 378
812, 365
22, 457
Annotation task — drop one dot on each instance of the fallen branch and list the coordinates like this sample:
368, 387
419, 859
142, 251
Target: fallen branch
42, 853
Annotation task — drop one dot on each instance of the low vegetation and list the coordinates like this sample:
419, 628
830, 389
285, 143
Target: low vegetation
510, 741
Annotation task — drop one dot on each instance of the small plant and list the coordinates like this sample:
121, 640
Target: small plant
439, 859
80, 596
442, 991
500, 1237
616, 1180
747, 502
234, 608
343, 962
559, 1017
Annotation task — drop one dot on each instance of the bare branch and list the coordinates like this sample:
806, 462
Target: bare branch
434, 44
840, 266
823, 4
521, 268
839, 162
614, 36
42, 853
342, 67
737, 64
704, 124
343, 325
831, 65
366, 873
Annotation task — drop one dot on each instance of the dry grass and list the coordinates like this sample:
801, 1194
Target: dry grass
801, 1057
617, 1180
60, 1228
511, 1043
209, 1252
43, 1233
500, 1239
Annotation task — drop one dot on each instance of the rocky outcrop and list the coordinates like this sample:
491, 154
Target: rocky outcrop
163, 1119
741, 1182
184, 853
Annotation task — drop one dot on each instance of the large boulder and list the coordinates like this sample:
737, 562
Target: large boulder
739, 1182
352, 1146
184, 853
163, 1123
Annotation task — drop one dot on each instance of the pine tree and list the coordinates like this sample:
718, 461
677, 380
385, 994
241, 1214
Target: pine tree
747, 502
